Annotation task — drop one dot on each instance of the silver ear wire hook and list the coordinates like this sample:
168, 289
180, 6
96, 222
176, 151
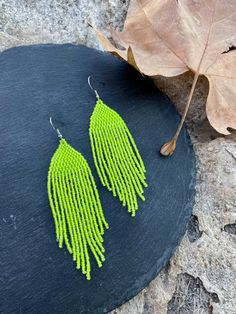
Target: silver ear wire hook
96, 93
57, 130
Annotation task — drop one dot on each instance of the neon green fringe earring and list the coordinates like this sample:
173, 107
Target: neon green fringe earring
116, 157
76, 207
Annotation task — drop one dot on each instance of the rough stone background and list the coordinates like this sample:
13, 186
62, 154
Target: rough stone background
201, 276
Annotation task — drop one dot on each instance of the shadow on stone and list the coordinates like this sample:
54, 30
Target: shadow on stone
191, 297
230, 228
193, 231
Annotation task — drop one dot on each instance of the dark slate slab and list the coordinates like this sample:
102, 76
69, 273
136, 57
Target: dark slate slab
51, 80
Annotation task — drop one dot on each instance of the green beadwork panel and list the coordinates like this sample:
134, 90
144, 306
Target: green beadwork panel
76, 207
116, 156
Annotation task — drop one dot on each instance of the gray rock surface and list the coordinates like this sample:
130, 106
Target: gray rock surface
201, 276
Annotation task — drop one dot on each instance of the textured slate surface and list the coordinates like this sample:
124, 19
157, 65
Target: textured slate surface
51, 80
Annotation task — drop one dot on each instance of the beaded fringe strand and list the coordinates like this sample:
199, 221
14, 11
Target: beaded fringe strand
116, 157
76, 207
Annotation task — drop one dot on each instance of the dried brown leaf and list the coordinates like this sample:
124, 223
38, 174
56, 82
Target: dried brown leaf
169, 37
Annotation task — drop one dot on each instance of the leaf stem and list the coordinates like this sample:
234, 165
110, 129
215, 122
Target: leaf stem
196, 76
169, 147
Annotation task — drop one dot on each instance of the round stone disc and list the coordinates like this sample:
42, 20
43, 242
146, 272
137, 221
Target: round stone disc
37, 82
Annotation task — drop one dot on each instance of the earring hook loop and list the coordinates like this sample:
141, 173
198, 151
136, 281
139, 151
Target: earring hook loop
57, 130
95, 91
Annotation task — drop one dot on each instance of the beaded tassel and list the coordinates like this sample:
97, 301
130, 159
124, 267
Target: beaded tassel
76, 207
117, 160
